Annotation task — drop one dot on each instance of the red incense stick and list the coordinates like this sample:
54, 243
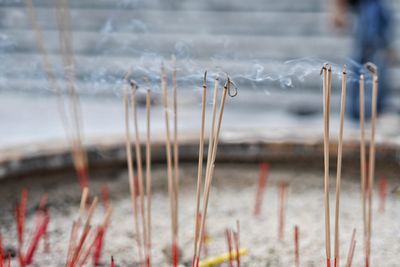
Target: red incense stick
39, 233
1, 251
228, 234
175, 253
99, 245
43, 209
382, 193
112, 262
83, 176
262, 182
105, 194
296, 246
20, 216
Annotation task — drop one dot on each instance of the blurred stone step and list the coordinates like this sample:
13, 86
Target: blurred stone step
220, 5
173, 21
195, 46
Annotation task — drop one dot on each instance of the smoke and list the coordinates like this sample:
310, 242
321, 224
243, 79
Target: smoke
124, 43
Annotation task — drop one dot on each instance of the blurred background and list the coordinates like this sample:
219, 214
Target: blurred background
273, 50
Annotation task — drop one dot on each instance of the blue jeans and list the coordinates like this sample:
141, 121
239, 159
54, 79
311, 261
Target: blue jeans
372, 38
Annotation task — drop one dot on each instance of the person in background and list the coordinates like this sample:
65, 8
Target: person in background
373, 37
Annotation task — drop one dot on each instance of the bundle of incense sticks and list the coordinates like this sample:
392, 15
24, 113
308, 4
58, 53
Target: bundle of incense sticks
213, 141
141, 205
229, 237
68, 103
233, 244
86, 240
369, 181
173, 176
327, 79
40, 230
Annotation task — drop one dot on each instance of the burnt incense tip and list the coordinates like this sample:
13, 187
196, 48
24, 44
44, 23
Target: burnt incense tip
133, 83
372, 68
344, 69
322, 69
205, 78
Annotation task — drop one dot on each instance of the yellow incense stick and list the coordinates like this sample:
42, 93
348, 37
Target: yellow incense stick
222, 258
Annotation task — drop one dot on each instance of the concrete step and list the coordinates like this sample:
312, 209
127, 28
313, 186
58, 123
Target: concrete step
196, 46
219, 5
178, 21
225, 5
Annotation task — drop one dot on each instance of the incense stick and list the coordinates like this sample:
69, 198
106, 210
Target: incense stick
176, 145
139, 164
363, 153
200, 166
228, 235
132, 185
112, 262
296, 246
352, 247
199, 239
382, 193
210, 172
82, 206
69, 111
326, 89
339, 167
281, 209
148, 175
262, 182
371, 173
237, 243
169, 166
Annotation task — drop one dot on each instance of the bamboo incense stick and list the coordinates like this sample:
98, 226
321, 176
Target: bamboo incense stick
209, 174
82, 206
350, 254
200, 166
169, 166
371, 173
132, 184
139, 165
148, 176
363, 154
212, 126
237, 243
69, 108
339, 168
209, 158
282, 209
326, 90
176, 143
